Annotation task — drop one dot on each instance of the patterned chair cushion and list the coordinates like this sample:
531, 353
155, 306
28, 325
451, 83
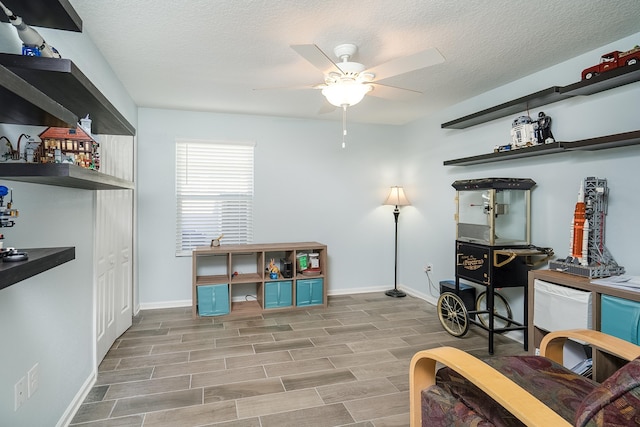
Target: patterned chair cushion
616, 402
440, 408
556, 386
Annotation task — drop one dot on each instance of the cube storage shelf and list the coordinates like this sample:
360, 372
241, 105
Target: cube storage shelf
216, 270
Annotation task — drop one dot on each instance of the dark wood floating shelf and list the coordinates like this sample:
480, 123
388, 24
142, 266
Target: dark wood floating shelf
29, 106
609, 80
537, 99
57, 14
591, 144
65, 84
62, 175
40, 260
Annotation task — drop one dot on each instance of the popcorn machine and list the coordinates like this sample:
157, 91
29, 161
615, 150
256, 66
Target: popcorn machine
493, 249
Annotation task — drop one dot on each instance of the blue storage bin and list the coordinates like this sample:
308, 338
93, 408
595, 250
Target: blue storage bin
213, 300
620, 318
309, 292
278, 294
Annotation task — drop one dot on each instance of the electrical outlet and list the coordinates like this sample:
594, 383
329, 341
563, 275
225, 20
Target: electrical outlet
20, 391
428, 268
33, 379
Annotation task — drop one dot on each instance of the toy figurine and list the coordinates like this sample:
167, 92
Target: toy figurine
216, 242
274, 270
522, 132
543, 129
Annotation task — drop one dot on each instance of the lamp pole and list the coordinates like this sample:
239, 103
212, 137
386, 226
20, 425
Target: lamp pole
396, 198
395, 292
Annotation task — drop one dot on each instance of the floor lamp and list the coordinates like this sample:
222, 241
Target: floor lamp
396, 198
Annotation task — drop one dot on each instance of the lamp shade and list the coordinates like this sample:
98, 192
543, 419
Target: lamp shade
396, 197
345, 92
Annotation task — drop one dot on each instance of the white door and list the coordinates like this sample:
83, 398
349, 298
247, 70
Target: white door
113, 246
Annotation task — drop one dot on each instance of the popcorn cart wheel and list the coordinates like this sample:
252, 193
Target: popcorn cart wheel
453, 314
500, 307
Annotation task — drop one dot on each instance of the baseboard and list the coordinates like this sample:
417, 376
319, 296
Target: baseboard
358, 290
165, 304
382, 289
77, 401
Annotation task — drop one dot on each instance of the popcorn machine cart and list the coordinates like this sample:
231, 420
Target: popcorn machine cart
493, 249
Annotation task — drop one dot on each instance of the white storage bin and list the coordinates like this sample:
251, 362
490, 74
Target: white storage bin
558, 307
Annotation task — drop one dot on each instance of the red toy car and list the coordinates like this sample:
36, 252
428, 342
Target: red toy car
612, 61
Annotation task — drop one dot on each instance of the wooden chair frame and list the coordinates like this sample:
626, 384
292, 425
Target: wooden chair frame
512, 397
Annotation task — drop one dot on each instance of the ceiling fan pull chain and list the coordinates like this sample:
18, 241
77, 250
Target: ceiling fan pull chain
344, 125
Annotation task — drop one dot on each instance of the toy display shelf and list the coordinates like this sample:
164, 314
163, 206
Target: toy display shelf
609, 80
57, 14
40, 260
591, 144
29, 106
62, 175
64, 84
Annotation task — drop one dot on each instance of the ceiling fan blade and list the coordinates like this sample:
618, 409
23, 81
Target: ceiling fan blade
403, 65
316, 57
393, 92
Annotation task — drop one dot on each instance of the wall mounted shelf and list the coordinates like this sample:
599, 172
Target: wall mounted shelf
40, 260
65, 84
537, 150
600, 143
57, 14
26, 105
62, 175
516, 106
609, 80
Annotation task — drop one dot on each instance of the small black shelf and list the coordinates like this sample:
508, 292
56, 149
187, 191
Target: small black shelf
56, 14
600, 143
40, 260
62, 175
65, 84
609, 80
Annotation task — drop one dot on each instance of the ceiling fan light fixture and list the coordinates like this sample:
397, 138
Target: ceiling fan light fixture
345, 92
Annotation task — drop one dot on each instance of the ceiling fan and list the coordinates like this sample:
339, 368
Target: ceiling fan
347, 82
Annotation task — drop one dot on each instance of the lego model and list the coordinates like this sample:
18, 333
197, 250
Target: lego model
543, 129
63, 145
7, 213
611, 61
588, 255
522, 132
526, 132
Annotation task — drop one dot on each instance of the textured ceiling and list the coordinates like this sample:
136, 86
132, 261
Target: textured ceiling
211, 55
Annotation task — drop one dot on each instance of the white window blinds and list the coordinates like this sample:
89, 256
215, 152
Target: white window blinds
214, 192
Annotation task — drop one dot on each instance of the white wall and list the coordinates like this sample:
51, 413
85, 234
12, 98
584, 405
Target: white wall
307, 188
48, 319
558, 176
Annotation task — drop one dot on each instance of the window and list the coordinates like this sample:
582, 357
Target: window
214, 193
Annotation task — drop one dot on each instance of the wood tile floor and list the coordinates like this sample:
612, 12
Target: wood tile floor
347, 365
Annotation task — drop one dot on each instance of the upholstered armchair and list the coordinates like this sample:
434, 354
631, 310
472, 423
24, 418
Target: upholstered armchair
524, 390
